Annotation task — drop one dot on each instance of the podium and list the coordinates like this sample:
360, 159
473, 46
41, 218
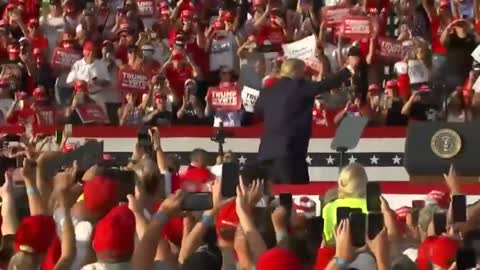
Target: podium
431, 147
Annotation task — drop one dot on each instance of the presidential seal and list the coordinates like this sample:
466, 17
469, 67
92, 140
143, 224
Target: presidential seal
446, 143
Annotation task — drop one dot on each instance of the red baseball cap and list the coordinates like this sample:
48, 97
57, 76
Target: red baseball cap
186, 14
437, 250
373, 87
34, 234
391, 84
39, 93
88, 46
439, 197
444, 3
33, 23
100, 194
278, 258
324, 256
80, 86
114, 235
219, 25
227, 222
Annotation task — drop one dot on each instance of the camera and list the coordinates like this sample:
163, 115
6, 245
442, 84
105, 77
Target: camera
219, 136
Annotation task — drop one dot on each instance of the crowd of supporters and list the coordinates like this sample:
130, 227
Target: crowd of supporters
156, 63
153, 62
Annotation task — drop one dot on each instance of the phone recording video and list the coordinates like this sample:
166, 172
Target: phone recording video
373, 197
466, 258
459, 208
440, 222
357, 228
344, 213
375, 223
197, 201
230, 175
315, 229
418, 204
286, 200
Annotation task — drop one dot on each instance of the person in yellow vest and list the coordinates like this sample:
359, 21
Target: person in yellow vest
352, 186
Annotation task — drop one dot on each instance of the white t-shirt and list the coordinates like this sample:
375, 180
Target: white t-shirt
51, 27
81, 70
223, 53
83, 235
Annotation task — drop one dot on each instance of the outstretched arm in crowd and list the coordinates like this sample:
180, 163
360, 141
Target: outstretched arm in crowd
144, 253
193, 240
255, 241
9, 217
65, 201
35, 203
157, 147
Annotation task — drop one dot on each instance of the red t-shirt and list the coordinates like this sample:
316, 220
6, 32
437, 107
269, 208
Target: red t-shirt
45, 115
199, 56
436, 30
177, 78
39, 42
272, 34
19, 116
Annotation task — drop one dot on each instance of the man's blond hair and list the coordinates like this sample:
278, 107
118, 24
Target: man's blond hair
291, 67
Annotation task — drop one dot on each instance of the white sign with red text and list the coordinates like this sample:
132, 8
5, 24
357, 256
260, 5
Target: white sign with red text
249, 98
356, 27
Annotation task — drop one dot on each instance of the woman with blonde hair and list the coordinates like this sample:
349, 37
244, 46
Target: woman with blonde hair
352, 187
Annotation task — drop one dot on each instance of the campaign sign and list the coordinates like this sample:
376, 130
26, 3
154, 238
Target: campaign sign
91, 113
64, 58
390, 50
225, 98
146, 8
334, 15
249, 98
302, 49
356, 27
133, 81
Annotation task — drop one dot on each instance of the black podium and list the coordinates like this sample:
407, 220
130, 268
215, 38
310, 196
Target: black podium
431, 147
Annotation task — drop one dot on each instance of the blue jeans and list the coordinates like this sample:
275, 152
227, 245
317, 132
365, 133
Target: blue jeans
64, 95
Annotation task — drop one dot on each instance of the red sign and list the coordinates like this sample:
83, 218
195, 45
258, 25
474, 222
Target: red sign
390, 50
356, 27
133, 81
146, 8
65, 58
334, 15
90, 113
225, 97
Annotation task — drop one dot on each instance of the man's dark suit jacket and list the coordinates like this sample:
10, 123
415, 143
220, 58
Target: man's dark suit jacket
286, 108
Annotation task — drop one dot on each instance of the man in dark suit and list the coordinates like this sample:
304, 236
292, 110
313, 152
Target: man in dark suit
286, 108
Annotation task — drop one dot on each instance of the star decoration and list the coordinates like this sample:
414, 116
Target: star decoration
396, 160
374, 160
308, 160
242, 159
352, 159
330, 160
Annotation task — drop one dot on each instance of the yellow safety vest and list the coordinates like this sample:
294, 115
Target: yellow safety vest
329, 214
